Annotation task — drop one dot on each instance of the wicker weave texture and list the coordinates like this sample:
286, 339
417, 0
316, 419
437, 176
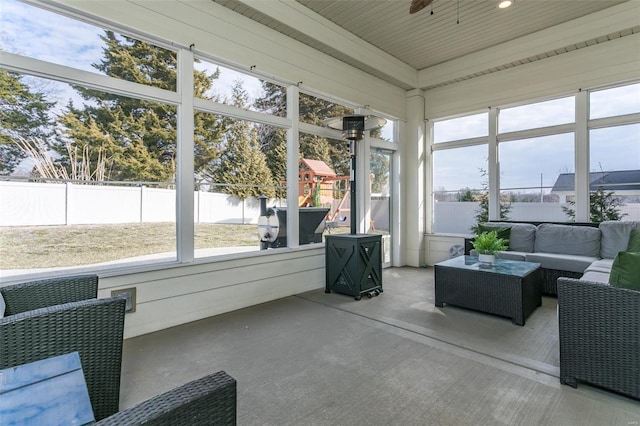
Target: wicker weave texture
48, 292
506, 295
210, 400
94, 328
599, 331
550, 278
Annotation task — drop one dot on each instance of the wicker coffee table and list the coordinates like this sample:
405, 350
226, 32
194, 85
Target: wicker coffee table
508, 288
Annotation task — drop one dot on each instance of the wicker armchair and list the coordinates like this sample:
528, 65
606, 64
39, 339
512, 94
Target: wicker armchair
599, 329
210, 400
52, 317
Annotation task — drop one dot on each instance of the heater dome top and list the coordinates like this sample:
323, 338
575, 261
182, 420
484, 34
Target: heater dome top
368, 122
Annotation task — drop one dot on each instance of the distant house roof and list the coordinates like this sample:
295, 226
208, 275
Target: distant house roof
620, 180
318, 167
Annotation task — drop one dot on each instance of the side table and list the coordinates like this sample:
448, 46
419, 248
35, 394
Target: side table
354, 264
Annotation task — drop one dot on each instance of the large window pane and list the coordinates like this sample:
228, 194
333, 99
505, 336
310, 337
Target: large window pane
541, 114
533, 176
470, 126
616, 101
380, 181
44, 35
314, 109
459, 182
323, 183
221, 84
387, 132
615, 172
98, 190
236, 162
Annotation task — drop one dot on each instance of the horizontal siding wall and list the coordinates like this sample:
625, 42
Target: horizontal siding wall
598, 65
174, 296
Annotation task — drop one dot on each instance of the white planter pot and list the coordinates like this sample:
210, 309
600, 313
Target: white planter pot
487, 259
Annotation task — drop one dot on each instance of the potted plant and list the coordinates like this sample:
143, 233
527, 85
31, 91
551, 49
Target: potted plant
487, 244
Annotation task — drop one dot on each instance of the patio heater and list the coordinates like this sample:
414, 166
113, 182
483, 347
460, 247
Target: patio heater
353, 262
353, 128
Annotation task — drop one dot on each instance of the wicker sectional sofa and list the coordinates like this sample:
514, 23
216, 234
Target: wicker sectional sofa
598, 324
599, 334
566, 250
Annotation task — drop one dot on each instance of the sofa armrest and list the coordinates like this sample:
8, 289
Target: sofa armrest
210, 400
599, 332
32, 295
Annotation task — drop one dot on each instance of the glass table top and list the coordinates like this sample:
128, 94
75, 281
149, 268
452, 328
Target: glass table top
501, 266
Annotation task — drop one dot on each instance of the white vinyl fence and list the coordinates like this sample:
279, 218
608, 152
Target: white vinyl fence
458, 217
30, 203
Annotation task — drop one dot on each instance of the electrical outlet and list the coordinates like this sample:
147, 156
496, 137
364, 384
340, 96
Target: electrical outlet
130, 295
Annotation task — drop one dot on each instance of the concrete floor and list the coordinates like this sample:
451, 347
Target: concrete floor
395, 359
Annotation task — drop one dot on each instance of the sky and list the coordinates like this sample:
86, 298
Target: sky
525, 163
40, 34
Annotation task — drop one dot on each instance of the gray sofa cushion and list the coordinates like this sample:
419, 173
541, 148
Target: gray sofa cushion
615, 237
599, 277
602, 265
512, 255
568, 239
561, 262
522, 237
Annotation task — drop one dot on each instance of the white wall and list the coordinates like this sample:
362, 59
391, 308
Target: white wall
26, 203
159, 205
607, 63
103, 204
439, 247
459, 217
613, 61
43, 204
173, 296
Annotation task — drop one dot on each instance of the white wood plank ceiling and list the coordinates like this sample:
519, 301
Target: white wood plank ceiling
422, 40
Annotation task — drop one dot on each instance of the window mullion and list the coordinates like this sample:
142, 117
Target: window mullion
293, 148
184, 159
582, 157
494, 166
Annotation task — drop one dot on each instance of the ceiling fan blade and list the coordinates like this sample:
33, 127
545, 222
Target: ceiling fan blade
418, 5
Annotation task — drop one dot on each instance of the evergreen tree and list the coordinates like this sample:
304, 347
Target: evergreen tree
276, 157
380, 169
482, 213
138, 136
314, 110
242, 163
602, 206
23, 114
274, 100
273, 140
467, 194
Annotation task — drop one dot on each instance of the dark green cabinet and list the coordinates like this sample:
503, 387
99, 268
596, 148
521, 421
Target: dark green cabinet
354, 264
